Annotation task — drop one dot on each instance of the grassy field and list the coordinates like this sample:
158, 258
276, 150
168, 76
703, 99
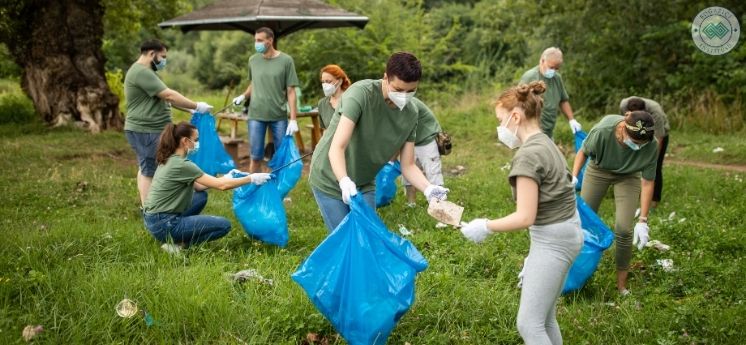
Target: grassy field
74, 245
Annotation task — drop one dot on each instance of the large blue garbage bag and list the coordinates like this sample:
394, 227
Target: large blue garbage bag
211, 156
261, 212
361, 277
597, 237
579, 138
386, 183
289, 176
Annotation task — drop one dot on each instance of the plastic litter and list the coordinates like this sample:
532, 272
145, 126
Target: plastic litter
386, 183
665, 264
361, 277
287, 176
126, 308
246, 275
261, 212
404, 231
440, 225
211, 156
30, 331
718, 149
445, 212
658, 245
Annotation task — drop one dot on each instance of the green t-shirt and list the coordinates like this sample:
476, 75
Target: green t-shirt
540, 159
427, 125
553, 96
380, 132
173, 186
606, 153
146, 112
326, 111
270, 80
660, 119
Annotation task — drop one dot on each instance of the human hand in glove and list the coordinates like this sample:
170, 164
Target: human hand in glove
641, 235
436, 192
575, 126
260, 178
476, 230
349, 189
202, 107
292, 127
239, 100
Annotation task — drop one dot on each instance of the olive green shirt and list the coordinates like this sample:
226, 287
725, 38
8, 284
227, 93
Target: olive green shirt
380, 132
146, 112
553, 96
173, 186
270, 80
660, 120
539, 159
326, 111
606, 153
427, 125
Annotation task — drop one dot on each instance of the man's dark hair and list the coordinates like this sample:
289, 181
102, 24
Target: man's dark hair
267, 31
152, 44
404, 66
635, 104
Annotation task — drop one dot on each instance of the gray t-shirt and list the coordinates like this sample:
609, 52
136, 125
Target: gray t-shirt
539, 159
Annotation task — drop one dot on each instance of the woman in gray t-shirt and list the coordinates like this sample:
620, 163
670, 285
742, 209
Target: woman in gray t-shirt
545, 203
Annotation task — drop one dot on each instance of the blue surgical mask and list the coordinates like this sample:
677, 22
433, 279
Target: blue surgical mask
550, 73
194, 149
632, 144
260, 47
160, 65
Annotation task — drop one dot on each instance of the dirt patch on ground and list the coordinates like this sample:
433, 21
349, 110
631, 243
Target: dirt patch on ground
703, 165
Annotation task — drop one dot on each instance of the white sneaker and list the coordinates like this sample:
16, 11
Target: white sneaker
171, 248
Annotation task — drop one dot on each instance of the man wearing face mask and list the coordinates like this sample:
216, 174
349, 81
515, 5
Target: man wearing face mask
272, 90
556, 95
149, 103
622, 149
374, 121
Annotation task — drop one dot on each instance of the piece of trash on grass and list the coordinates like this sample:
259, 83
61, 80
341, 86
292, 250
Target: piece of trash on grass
126, 308
718, 149
637, 213
682, 220
287, 200
458, 170
440, 225
666, 264
672, 215
30, 331
245, 275
445, 212
404, 231
505, 167
658, 245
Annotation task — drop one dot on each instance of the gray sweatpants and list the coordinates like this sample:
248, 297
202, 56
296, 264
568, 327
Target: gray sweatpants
552, 252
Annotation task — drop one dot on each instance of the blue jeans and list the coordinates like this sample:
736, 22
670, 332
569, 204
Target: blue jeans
334, 210
144, 145
187, 228
257, 130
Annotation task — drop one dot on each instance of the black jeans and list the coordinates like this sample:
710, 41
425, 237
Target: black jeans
658, 190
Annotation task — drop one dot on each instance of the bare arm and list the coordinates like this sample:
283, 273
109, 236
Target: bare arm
176, 99
340, 140
527, 199
199, 187
646, 197
567, 109
411, 172
580, 159
292, 101
224, 182
247, 93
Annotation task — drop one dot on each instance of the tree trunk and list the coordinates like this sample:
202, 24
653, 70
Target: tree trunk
58, 45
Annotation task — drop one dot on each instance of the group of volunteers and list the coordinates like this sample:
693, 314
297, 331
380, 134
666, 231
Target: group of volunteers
370, 122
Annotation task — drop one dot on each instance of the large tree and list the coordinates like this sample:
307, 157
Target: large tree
57, 43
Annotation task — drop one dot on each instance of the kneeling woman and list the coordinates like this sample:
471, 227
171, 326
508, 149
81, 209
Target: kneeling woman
177, 194
545, 204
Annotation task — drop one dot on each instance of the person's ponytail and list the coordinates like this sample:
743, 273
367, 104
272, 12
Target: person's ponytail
170, 138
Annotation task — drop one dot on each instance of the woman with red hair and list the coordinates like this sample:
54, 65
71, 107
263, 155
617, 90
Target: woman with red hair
334, 81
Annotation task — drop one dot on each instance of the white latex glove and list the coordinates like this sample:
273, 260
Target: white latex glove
202, 107
238, 100
349, 189
437, 192
574, 181
476, 230
575, 126
641, 235
292, 127
260, 178
236, 171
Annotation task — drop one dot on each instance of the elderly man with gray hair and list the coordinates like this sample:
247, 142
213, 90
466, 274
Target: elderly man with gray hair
555, 95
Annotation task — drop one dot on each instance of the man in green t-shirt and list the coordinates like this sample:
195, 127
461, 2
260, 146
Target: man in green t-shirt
555, 96
272, 82
149, 103
375, 120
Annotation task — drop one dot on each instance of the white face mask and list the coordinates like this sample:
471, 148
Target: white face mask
510, 139
400, 99
550, 73
329, 88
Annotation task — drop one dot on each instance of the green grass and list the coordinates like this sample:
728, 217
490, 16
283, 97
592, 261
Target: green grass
74, 245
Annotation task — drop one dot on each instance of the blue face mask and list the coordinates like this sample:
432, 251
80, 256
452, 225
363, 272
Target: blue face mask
160, 65
549, 73
632, 144
193, 150
260, 47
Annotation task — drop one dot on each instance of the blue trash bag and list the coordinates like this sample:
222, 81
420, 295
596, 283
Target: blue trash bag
261, 212
597, 237
289, 176
361, 277
211, 156
386, 183
579, 138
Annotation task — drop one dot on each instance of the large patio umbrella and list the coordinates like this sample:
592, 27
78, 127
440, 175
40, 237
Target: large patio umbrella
282, 16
